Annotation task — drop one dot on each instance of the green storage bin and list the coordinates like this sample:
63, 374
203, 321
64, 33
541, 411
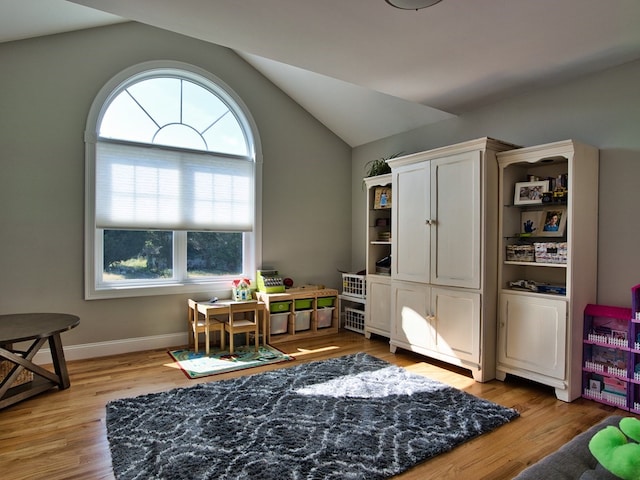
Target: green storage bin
279, 306
304, 303
326, 302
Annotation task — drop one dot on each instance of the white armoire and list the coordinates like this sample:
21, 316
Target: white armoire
444, 254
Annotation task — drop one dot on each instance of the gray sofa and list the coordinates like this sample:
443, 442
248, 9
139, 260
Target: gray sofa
573, 461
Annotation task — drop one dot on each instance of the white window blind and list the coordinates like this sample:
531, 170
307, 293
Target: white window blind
141, 187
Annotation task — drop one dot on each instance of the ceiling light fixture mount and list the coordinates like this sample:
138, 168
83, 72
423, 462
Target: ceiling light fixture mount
412, 4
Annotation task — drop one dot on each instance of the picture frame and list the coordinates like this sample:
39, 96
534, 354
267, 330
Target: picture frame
531, 222
595, 385
530, 193
554, 222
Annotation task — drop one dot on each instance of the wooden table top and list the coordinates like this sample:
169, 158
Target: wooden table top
225, 305
27, 326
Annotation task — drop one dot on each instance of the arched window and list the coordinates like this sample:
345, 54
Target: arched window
172, 176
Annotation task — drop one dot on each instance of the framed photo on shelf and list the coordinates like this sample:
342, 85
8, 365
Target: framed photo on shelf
554, 222
530, 193
531, 222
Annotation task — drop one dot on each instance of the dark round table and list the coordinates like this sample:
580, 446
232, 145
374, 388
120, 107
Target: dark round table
40, 328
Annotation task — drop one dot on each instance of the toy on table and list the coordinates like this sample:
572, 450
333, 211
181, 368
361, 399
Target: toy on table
269, 281
242, 289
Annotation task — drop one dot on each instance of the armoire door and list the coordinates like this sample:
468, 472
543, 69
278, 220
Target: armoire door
456, 214
411, 223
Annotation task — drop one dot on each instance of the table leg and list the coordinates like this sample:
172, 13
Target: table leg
206, 338
59, 363
231, 335
264, 326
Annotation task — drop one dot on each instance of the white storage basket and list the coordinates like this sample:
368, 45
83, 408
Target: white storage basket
353, 319
354, 285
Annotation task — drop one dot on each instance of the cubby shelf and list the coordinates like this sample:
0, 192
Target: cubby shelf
306, 313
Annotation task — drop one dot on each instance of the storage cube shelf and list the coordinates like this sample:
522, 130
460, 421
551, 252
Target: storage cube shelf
300, 313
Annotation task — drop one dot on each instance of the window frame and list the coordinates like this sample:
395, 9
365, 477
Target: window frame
93, 249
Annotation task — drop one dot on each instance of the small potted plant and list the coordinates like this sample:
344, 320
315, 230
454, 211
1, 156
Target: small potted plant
379, 166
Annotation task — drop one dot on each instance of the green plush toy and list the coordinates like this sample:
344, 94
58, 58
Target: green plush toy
615, 452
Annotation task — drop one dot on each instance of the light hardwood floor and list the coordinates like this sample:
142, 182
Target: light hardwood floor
62, 435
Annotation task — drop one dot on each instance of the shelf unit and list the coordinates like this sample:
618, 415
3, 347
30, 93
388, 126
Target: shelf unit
546, 278
607, 358
306, 313
377, 319
352, 302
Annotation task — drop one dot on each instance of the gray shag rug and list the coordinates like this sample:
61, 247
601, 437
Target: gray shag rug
352, 417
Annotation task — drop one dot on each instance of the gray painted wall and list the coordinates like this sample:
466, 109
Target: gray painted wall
602, 110
47, 85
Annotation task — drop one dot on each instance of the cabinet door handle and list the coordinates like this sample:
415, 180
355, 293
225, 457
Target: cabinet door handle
428, 221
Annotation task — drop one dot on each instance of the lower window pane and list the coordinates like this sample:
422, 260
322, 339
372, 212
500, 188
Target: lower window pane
137, 255
214, 254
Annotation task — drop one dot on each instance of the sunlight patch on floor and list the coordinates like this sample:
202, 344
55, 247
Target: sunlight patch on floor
300, 352
436, 373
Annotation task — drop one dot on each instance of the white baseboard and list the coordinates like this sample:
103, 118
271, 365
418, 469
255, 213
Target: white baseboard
114, 347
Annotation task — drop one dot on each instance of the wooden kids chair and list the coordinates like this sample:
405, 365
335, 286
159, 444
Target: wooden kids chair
246, 323
201, 321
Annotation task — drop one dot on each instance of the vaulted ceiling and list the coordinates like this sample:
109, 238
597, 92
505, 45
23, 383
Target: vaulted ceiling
367, 70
